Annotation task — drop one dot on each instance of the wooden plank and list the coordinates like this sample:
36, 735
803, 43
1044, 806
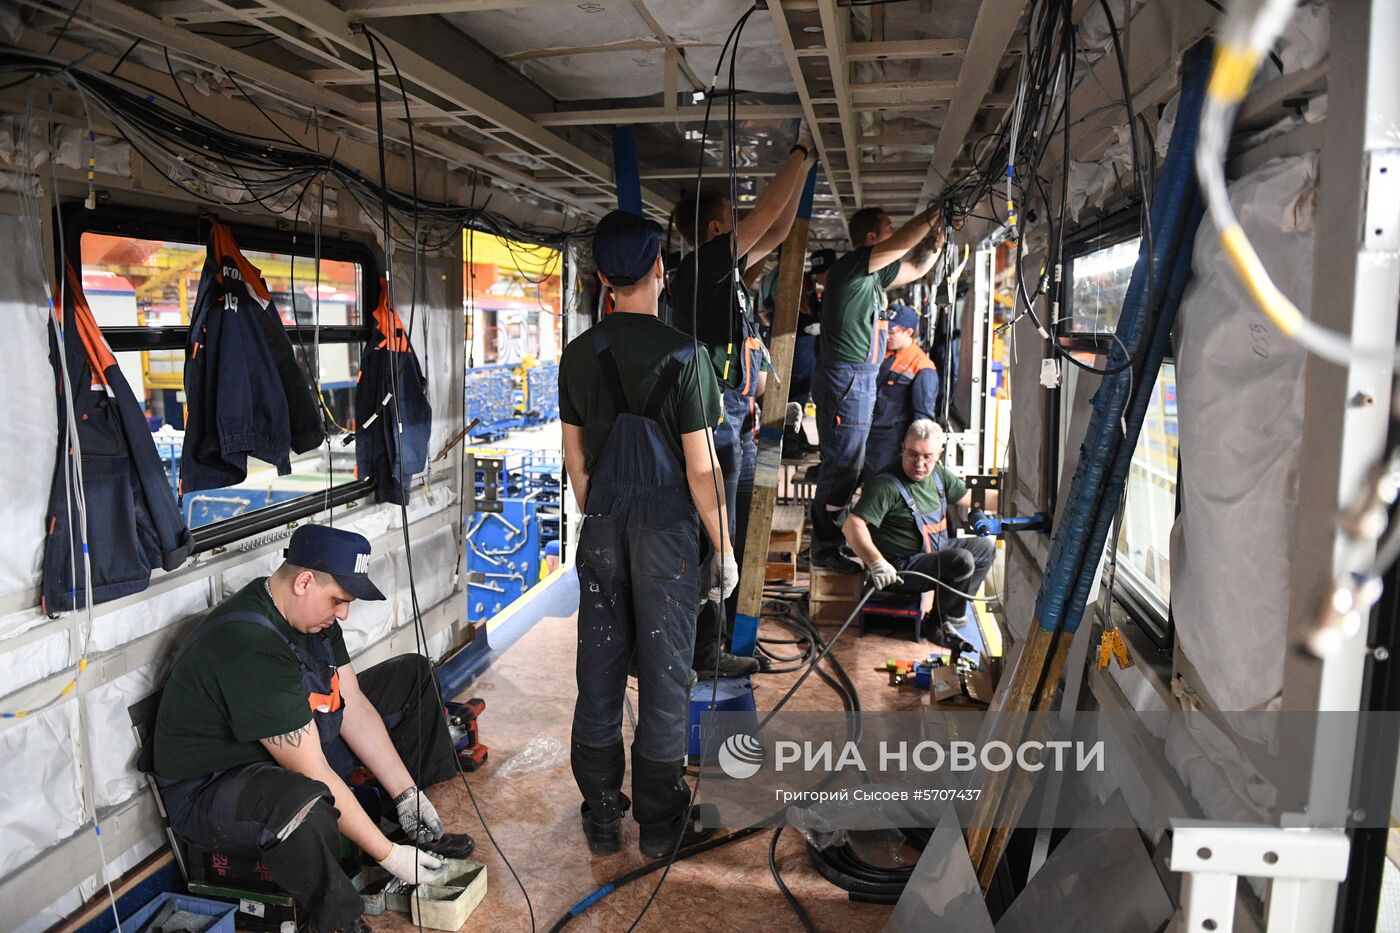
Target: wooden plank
773, 418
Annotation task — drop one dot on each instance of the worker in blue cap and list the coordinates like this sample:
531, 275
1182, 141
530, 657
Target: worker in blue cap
263, 718
906, 389
639, 407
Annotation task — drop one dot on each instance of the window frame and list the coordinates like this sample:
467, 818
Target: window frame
182, 227
1140, 607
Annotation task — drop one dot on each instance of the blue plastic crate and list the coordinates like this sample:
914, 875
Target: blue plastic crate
223, 913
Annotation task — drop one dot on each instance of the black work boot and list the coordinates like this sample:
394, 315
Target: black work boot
663, 807
730, 665
599, 772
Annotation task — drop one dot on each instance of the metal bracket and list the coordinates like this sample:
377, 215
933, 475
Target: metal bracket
1305, 865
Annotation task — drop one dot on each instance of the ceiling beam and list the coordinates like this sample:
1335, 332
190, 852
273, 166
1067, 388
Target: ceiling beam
834, 30
777, 10
624, 45
903, 92
627, 115
996, 23
664, 36
903, 50
108, 15
898, 139
380, 9
324, 19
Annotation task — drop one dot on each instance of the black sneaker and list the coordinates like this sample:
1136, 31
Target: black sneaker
700, 825
730, 665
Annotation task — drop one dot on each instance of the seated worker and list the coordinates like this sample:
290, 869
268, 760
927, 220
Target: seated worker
852, 346
901, 523
906, 387
712, 306
638, 408
263, 716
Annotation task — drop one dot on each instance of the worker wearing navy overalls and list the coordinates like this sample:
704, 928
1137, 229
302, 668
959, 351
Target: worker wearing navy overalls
712, 305
852, 346
263, 717
901, 523
906, 387
638, 406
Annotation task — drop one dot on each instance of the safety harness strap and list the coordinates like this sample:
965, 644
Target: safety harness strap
608, 364
927, 529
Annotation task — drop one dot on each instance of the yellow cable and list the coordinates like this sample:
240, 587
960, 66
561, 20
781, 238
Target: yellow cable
1233, 72
1273, 302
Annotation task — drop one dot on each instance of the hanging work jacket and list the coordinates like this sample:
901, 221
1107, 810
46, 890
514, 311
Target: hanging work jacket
380, 452
133, 522
246, 394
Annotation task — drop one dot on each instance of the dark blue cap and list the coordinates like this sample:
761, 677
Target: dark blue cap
625, 246
904, 316
342, 554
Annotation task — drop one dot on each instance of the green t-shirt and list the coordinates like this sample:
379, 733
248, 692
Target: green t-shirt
892, 525
848, 306
714, 324
239, 683
641, 344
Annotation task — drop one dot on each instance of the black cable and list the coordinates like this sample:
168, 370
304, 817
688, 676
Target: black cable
788, 896
129, 49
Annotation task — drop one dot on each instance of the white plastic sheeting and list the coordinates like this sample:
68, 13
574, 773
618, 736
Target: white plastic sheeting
26, 664
434, 563
149, 614
65, 906
30, 424
40, 798
111, 745
1240, 411
370, 621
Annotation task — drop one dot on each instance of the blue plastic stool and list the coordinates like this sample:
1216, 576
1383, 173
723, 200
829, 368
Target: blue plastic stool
731, 695
893, 607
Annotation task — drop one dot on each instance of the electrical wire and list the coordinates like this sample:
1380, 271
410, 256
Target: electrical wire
1244, 36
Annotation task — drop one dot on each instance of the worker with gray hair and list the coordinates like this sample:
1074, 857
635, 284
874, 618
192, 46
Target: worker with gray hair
901, 524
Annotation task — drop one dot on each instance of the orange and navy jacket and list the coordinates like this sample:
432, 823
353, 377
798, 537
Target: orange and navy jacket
133, 522
246, 394
380, 452
906, 388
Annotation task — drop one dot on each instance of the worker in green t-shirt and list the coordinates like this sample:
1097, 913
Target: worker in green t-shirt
715, 306
638, 408
263, 717
901, 524
852, 346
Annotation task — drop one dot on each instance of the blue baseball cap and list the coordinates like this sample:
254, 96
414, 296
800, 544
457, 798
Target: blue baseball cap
342, 554
904, 316
625, 246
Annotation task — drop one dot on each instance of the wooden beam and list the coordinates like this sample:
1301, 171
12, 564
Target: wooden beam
778, 11
834, 30
898, 139
622, 45
903, 92
691, 114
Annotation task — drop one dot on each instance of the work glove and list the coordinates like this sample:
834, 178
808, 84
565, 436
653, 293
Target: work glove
414, 866
805, 140
794, 415
724, 576
417, 816
812, 330
978, 521
882, 574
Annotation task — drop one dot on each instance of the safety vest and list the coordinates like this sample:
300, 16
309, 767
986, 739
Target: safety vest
894, 384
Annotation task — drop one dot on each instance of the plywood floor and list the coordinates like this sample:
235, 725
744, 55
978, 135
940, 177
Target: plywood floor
529, 693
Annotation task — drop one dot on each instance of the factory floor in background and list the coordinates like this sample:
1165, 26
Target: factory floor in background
529, 694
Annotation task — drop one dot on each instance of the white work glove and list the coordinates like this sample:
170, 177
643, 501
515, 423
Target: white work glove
812, 330
414, 866
794, 415
417, 816
883, 574
724, 576
805, 140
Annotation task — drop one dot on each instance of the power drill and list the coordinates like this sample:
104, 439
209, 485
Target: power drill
462, 725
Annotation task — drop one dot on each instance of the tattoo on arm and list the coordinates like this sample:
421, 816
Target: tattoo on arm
290, 738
